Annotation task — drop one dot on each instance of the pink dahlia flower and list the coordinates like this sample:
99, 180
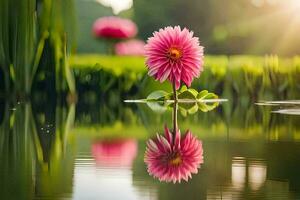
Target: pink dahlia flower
174, 54
172, 159
130, 48
114, 27
117, 153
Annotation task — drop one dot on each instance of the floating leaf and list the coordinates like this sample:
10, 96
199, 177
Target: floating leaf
203, 107
202, 94
187, 95
158, 95
182, 89
193, 91
183, 111
158, 107
156, 99
190, 101
207, 106
193, 109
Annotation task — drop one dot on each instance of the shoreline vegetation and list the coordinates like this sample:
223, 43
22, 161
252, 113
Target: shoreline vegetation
241, 79
239, 76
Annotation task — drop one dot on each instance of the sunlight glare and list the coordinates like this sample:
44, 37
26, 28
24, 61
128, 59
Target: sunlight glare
117, 5
293, 5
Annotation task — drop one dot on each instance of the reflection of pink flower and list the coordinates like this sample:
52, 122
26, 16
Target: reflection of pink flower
174, 54
114, 27
130, 48
118, 153
171, 159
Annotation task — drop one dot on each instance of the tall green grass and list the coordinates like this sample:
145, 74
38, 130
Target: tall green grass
26, 26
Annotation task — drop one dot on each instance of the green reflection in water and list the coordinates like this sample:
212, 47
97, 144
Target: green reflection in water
247, 152
224, 123
36, 160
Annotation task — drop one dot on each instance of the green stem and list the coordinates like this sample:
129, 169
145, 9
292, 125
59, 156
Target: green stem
175, 108
38, 55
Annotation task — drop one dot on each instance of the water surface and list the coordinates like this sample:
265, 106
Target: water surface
97, 152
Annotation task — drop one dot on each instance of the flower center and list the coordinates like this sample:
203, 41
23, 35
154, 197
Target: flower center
174, 53
175, 160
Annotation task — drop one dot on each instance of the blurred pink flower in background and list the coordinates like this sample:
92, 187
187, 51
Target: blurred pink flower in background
130, 48
114, 28
173, 159
174, 54
115, 153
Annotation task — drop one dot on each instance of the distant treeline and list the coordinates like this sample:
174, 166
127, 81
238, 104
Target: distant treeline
224, 27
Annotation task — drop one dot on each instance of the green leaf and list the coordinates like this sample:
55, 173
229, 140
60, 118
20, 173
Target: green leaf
193, 91
187, 106
182, 89
202, 94
208, 106
157, 101
187, 95
158, 107
203, 107
182, 111
211, 96
158, 95
193, 109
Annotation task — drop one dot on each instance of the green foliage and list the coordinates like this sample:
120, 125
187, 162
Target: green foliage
207, 106
246, 78
16, 127
26, 27
223, 27
27, 149
256, 123
18, 40
189, 101
117, 65
159, 95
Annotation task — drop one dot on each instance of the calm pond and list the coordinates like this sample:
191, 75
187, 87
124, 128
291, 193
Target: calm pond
97, 152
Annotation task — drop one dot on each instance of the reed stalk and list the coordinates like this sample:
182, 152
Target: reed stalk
25, 26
